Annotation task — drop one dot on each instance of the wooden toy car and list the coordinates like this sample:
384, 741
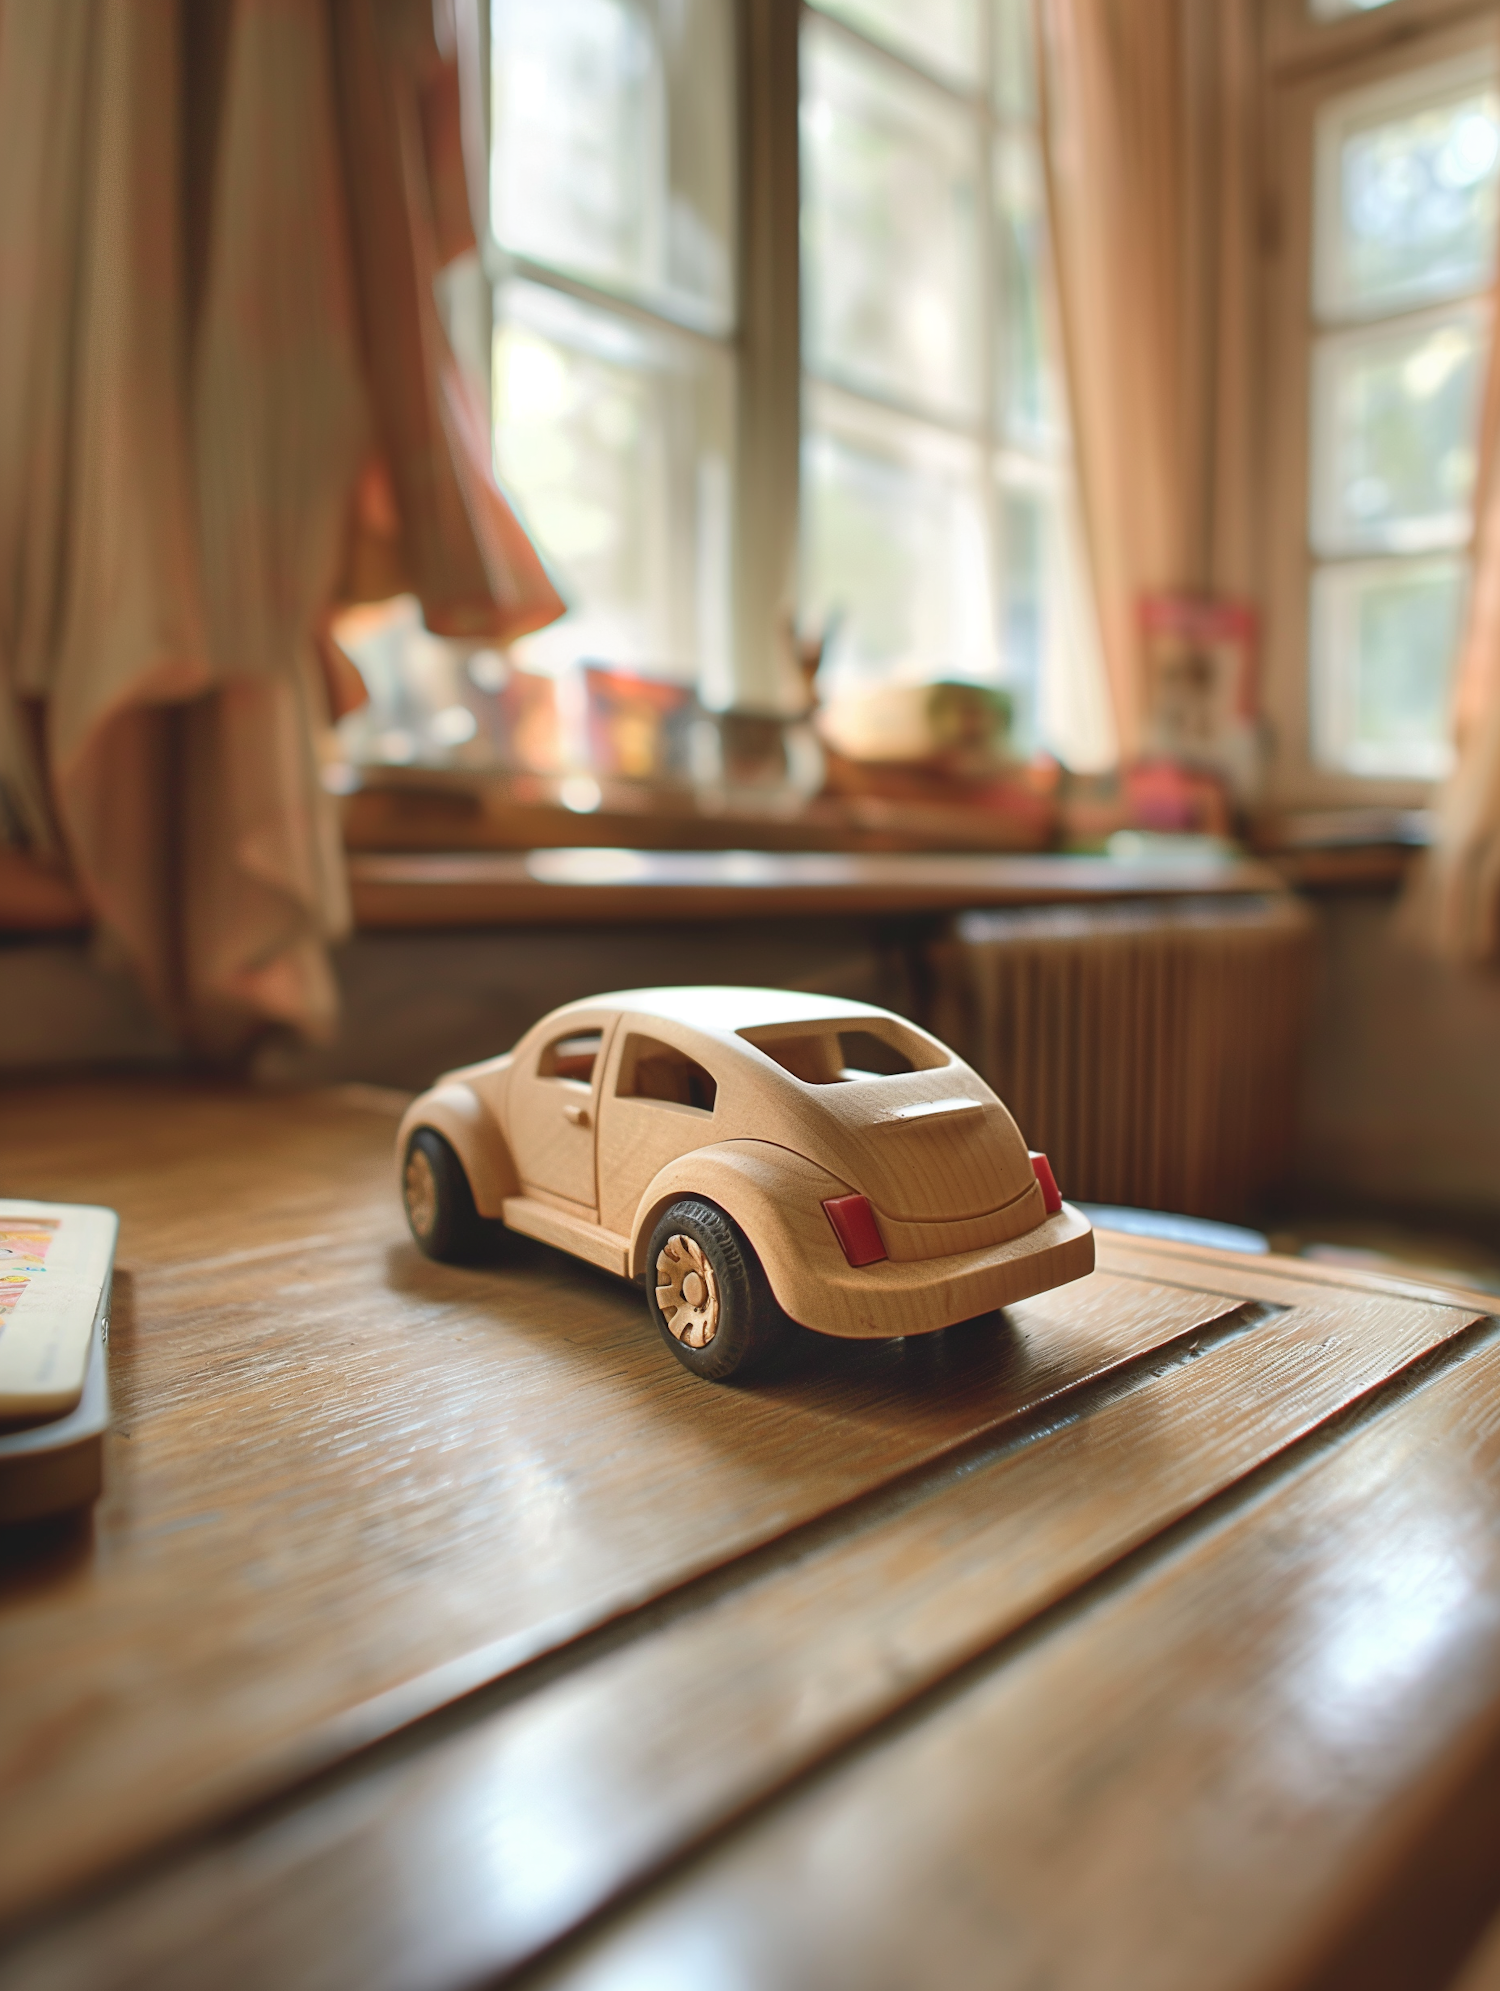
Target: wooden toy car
748, 1155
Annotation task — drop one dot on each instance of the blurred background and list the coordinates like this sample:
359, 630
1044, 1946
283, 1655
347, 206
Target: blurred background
723, 462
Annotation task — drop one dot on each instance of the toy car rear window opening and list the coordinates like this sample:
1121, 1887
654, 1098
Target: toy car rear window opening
571, 1057
836, 1057
653, 1070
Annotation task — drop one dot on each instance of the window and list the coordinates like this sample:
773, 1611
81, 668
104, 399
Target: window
650, 1069
833, 1057
865, 1055
934, 458
572, 1057
1403, 253
647, 428
1384, 147
613, 204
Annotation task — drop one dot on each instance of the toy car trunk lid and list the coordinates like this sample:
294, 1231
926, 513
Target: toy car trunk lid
918, 1158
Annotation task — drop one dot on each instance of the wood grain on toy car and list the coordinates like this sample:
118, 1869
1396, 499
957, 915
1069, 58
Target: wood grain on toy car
455, 1110
550, 1224
551, 1116
638, 1137
618, 1105
776, 1197
914, 1163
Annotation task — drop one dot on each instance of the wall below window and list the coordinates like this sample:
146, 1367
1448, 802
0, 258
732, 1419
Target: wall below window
415, 1004
1401, 1102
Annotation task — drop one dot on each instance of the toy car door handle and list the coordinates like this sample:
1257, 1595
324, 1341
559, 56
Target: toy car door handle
577, 1115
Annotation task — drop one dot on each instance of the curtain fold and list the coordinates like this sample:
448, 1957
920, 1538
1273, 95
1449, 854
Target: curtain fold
467, 558
280, 425
129, 636
1452, 905
1148, 122
221, 370
45, 76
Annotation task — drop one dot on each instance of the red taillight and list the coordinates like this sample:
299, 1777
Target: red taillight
855, 1228
1051, 1195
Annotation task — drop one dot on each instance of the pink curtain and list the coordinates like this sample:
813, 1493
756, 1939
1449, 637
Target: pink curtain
1148, 115
222, 378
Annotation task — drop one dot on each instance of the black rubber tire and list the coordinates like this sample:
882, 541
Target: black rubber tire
751, 1325
454, 1231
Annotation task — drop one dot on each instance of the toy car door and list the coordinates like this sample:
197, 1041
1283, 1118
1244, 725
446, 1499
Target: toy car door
657, 1103
552, 1108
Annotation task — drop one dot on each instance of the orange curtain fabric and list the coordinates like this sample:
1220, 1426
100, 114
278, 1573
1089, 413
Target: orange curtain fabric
1148, 114
221, 368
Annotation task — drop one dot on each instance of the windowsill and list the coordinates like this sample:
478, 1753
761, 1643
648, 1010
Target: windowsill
614, 867
416, 809
1342, 849
574, 886
34, 899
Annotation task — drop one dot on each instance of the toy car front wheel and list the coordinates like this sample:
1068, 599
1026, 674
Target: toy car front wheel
707, 1292
439, 1202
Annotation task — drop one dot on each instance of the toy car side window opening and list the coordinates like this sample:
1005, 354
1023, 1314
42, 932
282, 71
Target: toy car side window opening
650, 1069
572, 1056
833, 1057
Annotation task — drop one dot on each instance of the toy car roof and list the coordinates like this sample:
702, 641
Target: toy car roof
728, 1010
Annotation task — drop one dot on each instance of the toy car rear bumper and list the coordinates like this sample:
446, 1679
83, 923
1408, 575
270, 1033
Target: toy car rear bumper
917, 1297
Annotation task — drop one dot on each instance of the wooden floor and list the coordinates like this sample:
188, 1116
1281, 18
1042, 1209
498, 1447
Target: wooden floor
435, 1625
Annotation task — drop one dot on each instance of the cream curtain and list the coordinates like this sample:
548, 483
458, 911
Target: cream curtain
226, 402
1452, 907
1148, 110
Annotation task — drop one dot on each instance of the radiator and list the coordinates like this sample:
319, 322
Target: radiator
1150, 1049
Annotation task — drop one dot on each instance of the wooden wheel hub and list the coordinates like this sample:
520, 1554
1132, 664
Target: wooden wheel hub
420, 1187
687, 1292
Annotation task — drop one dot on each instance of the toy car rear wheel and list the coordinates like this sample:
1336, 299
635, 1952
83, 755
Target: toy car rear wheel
440, 1203
708, 1293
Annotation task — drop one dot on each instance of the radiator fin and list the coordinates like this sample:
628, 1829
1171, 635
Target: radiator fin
1152, 1049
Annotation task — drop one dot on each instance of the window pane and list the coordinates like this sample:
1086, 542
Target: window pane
1015, 58
895, 545
1406, 195
1023, 577
943, 34
420, 707
614, 146
1385, 635
1395, 415
1026, 390
889, 219
615, 441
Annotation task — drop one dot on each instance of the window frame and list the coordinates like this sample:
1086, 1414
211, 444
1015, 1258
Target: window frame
1309, 63
1012, 465
765, 340
754, 426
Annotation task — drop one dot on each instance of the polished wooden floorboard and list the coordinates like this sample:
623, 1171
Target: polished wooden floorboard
581, 1614
1281, 1693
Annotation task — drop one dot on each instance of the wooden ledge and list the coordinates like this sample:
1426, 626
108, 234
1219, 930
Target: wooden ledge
36, 899
587, 886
